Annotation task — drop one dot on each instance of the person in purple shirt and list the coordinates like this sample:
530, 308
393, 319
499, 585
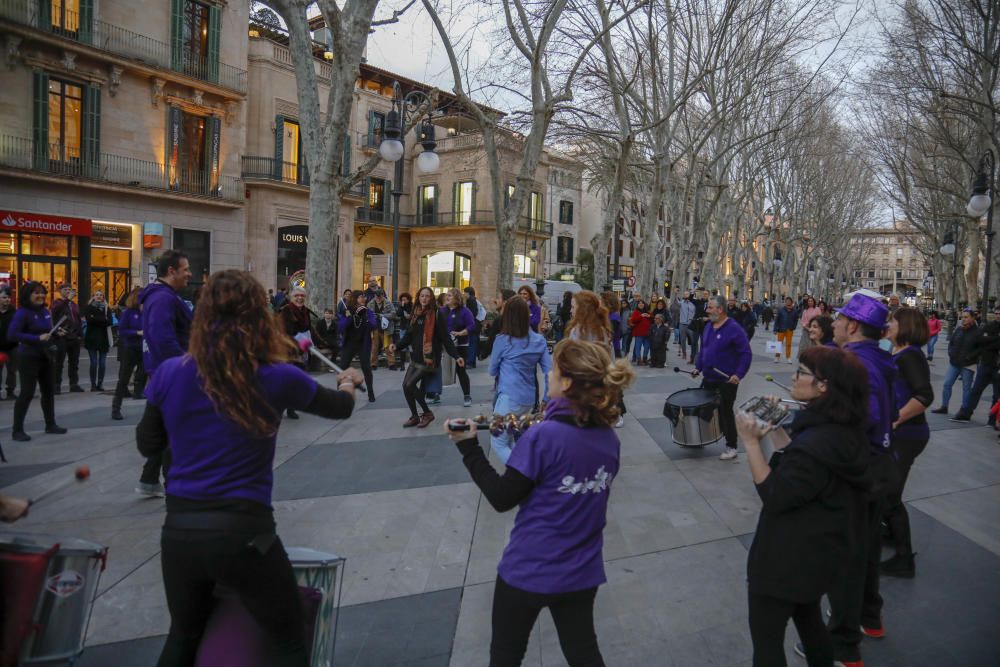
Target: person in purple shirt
461, 324
534, 308
723, 361
560, 474
166, 327
855, 603
130, 353
32, 329
219, 409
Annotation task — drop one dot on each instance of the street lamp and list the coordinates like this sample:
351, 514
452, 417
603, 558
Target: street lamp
776, 267
948, 248
981, 203
391, 149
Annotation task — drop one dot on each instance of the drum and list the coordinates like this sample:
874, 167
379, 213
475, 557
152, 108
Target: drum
64, 601
320, 571
694, 415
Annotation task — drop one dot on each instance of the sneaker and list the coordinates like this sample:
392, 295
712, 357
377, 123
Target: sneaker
874, 633
117, 415
728, 455
621, 422
56, 429
961, 418
150, 490
898, 566
292, 414
435, 401
77, 389
425, 419
789, 361
800, 651
20, 436
467, 402
943, 410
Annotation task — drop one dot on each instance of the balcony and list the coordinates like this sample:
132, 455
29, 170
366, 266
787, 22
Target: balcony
121, 42
269, 169
449, 219
52, 161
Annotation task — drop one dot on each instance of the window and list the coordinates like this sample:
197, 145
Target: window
195, 38
566, 213
66, 129
376, 194
564, 250
291, 149
464, 202
195, 34
536, 211
427, 197
524, 266
65, 120
376, 128
446, 269
65, 18
194, 144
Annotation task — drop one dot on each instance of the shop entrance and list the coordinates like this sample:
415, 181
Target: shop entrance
49, 273
113, 282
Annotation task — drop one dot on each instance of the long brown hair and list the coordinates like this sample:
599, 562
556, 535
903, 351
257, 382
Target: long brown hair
515, 319
590, 319
596, 382
418, 309
233, 333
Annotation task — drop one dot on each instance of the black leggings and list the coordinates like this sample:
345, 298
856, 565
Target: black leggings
514, 615
35, 370
356, 349
905, 452
413, 386
727, 402
130, 360
195, 562
768, 620
463, 375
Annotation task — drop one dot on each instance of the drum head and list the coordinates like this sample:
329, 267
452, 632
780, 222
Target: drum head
306, 557
692, 398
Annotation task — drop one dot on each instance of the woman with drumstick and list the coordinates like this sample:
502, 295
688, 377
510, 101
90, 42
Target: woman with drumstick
560, 474
813, 497
358, 326
218, 408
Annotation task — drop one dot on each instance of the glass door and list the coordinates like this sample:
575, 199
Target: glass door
49, 273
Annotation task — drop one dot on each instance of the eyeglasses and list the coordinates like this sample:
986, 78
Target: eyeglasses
799, 373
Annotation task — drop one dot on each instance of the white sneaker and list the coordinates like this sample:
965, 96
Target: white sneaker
777, 360
620, 423
150, 490
728, 455
467, 402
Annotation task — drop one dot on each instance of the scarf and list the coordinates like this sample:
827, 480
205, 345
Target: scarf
430, 320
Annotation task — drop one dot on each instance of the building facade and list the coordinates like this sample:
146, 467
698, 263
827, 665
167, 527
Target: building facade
121, 130
890, 264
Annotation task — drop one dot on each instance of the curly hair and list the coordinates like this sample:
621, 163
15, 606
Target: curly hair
596, 383
590, 318
233, 333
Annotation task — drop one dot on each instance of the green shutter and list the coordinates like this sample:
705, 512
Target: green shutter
40, 123
86, 34
472, 203
371, 128
91, 131
213, 144
45, 15
366, 188
279, 146
177, 35
214, 30
455, 217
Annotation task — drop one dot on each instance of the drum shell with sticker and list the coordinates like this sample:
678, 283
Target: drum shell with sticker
694, 415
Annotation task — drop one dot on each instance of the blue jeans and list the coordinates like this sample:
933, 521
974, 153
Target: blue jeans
954, 372
98, 364
503, 444
930, 346
435, 384
641, 348
470, 357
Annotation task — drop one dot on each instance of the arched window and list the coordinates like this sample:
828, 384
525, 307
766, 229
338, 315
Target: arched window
445, 269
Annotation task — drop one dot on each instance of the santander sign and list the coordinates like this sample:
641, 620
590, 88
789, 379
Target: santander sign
18, 221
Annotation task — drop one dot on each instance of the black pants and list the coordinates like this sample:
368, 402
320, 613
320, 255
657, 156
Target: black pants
768, 620
986, 376
153, 466
10, 366
463, 375
727, 401
68, 350
130, 361
34, 370
905, 451
515, 612
193, 562
356, 349
413, 386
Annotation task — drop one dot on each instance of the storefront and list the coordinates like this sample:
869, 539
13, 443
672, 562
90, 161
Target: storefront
293, 241
53, 249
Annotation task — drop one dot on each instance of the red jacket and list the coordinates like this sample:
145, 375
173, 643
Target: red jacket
640, 325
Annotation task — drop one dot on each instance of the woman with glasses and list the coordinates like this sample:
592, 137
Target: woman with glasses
812, 492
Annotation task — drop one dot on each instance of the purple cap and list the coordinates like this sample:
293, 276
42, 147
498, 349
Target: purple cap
866, 310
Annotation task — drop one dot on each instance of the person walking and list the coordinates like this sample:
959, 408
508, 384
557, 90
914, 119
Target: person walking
404, 311
218, 410
129, 353
986, 346
426, 337
68, 344
785, 322
688, 336
961, 361
811, 492
97, 338
809, 311
934, 327
766, 315
460, 326
528, 294
517, 354
640, 323
8, 346
358, 325
908, 331
559, 476
564, 313
479, 315
723, 362
32, 329
166, 328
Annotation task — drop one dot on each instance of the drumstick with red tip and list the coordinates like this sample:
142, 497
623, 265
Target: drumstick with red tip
771, 379
306, 345
82, 474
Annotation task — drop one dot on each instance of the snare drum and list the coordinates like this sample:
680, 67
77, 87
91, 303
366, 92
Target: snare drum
319, 571
64, 601
694, 415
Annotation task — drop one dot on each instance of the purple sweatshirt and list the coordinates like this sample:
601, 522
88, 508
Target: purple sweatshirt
881, 406
129, 326
535, 311
166, 325
459, 319
28, 324
725, 348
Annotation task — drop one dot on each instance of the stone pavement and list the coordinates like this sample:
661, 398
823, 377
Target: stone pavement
422, 547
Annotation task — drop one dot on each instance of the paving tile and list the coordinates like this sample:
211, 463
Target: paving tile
12, 474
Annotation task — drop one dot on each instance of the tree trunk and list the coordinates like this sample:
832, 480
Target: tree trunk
324, 239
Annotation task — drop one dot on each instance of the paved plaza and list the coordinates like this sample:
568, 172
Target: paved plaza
422, 546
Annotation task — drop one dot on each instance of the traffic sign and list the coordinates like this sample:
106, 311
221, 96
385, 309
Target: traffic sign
618, 285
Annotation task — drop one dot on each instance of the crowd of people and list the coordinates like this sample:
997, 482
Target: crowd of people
223, 375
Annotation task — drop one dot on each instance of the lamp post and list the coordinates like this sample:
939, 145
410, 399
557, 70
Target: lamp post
981, 203
776, 264
392, 150
948, 248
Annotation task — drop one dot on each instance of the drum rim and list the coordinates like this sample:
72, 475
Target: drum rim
681, 391
7, 544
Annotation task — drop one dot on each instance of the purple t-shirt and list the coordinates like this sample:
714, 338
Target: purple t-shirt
558, 537
212, 457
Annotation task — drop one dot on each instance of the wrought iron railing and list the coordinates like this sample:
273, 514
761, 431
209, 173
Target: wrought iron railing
449, 219
122, 42
56, 160
275, 170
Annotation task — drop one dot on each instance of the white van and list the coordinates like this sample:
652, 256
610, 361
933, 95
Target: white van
554, 290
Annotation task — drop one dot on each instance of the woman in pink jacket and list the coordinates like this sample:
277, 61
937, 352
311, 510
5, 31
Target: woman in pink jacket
809, 311
934, 324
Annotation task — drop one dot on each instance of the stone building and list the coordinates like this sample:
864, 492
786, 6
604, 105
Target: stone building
890, 263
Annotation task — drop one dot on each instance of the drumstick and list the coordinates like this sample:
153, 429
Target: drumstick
58, 324
306, 345
771, 379
722, 373
681, 370
82, 474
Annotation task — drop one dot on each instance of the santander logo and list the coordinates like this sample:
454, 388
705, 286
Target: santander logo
46, 224
9, 221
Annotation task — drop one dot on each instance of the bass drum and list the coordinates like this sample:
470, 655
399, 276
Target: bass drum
694, 415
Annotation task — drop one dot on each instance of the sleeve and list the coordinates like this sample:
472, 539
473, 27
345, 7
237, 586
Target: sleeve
151, 432
446, 342
917, 375
746, 354
502, 492
295, 388
160, 332
546, 363
331, 403
528, 457
126, 326
798, 480
18, 331
500, 346
404, 340
470, 321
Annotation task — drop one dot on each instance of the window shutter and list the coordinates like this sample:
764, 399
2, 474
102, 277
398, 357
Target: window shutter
45, 15
213, 144
472, 204
40, 123
456, 218
214, 30
279, 146
177, 35
174, 139
91, 131
86, 30
436, 213
371, 128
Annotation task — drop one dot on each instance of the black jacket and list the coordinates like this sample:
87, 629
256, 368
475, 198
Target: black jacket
413, 338
5, 318
813, 510
961, 348
986, 343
